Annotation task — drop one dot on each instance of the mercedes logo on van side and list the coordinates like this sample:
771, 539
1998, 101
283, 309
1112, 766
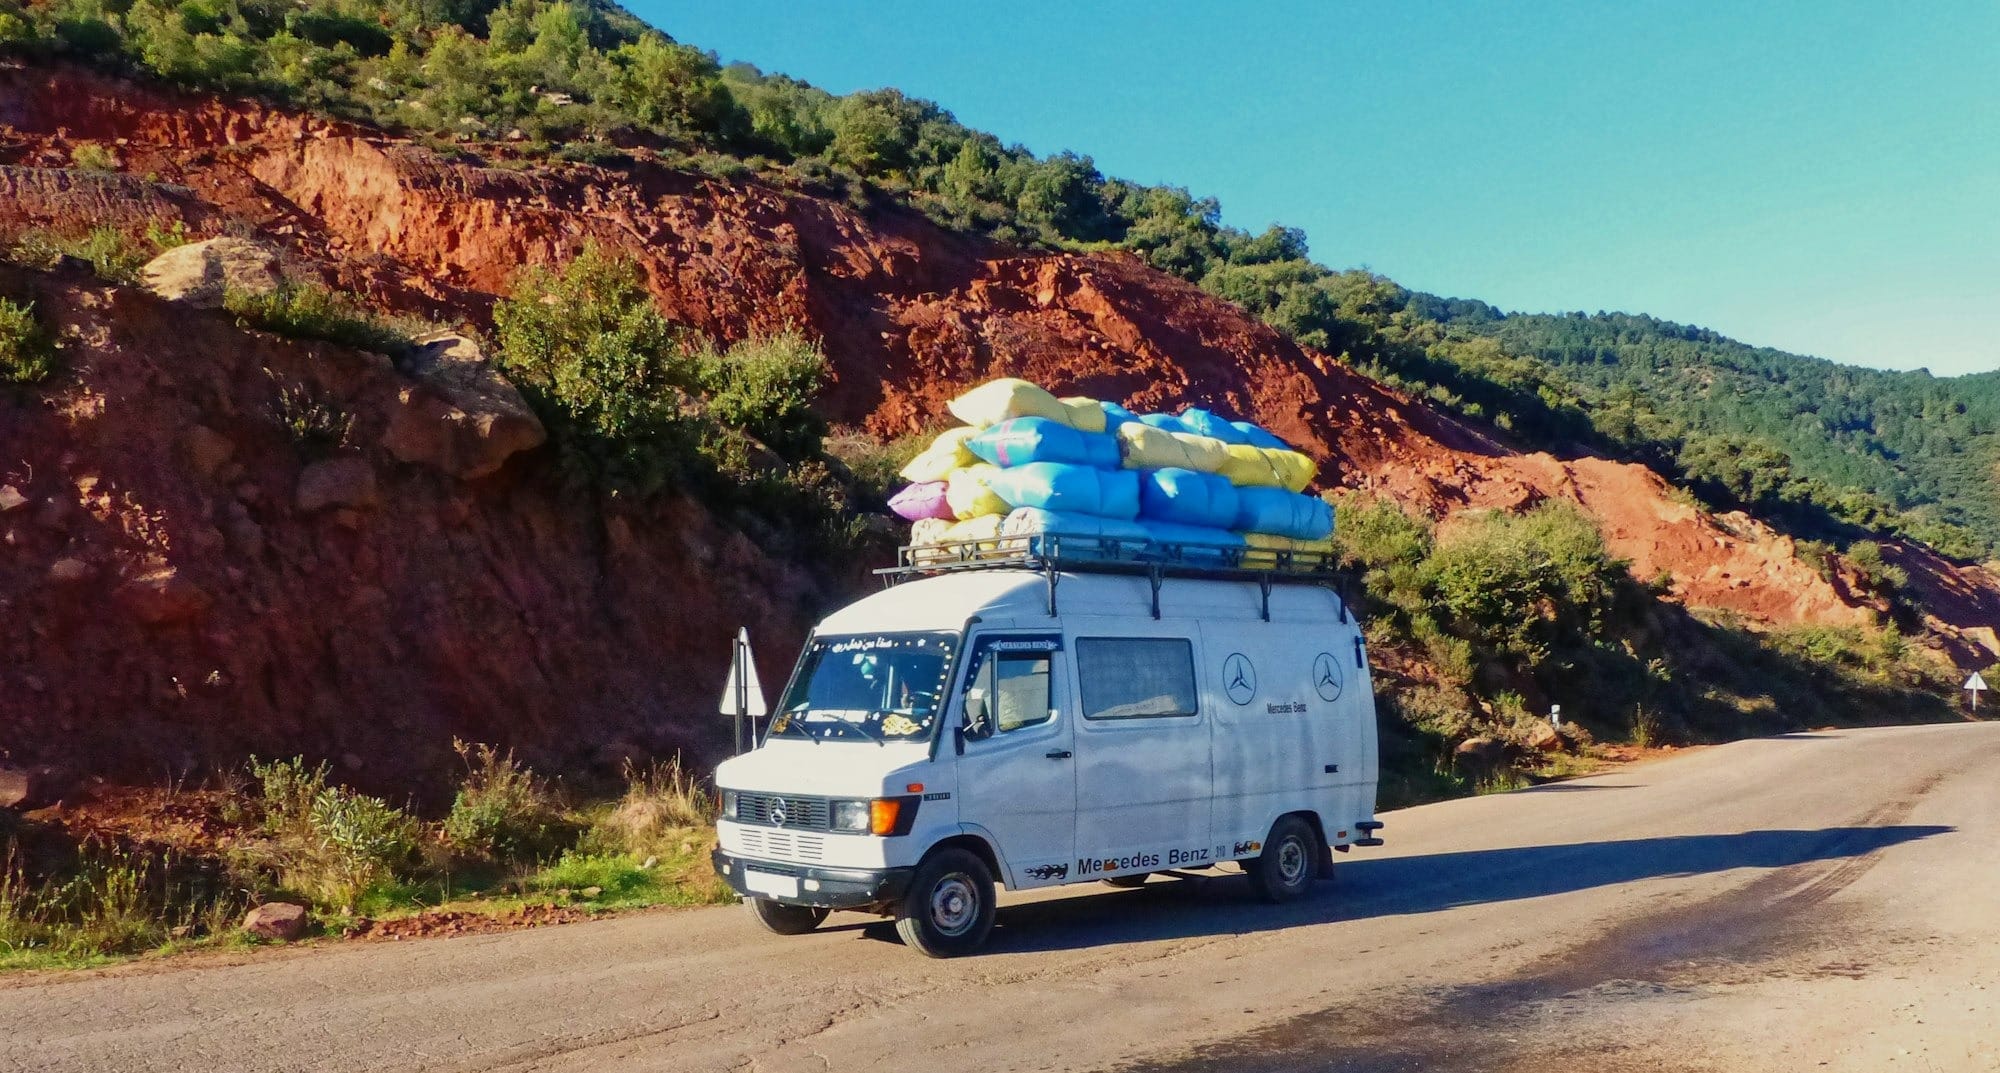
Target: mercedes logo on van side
1327, 679
778, 812
1239, 679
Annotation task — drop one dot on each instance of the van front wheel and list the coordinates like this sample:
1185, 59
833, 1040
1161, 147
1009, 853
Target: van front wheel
1285, 869
948, 910
786, 919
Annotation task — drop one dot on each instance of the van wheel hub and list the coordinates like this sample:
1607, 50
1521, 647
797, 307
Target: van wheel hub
954, 904
1291, 860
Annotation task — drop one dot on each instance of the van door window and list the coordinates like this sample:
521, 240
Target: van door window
1015, 686
1135, 677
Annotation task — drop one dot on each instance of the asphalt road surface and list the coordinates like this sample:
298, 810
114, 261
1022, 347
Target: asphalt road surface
1825, 901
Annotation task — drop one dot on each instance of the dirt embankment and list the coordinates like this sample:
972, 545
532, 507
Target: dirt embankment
493, 608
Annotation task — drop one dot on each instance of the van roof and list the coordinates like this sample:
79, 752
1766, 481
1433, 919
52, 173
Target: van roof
946, 601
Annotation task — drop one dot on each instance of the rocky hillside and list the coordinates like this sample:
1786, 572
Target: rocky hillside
182, 587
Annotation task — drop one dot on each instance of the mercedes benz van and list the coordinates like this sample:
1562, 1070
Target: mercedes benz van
1045, 718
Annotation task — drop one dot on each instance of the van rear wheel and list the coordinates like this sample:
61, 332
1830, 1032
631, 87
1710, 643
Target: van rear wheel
786, 919
1284, 871
948, 910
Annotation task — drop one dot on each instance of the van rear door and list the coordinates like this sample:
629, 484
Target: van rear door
1143, 783
1017, 776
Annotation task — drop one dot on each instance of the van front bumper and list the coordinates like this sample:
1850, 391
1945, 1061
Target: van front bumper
832, 888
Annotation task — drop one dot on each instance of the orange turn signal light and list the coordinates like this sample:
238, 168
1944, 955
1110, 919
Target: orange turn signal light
882, 814
914, 788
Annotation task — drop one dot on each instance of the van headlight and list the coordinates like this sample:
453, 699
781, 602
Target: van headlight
881, 816
851, 816
728, 804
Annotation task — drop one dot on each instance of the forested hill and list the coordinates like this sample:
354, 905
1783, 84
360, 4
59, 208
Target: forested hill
1763, 424
1829, 451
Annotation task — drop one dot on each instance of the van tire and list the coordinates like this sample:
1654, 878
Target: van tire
786, 919
1128, 882
1284, 871
948, 910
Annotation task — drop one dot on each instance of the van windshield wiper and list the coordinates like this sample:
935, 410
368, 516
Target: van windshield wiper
863, 727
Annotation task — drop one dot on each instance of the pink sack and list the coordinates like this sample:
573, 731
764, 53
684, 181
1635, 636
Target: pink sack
920, 501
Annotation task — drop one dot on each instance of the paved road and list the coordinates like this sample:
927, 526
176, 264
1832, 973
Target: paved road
1813, 902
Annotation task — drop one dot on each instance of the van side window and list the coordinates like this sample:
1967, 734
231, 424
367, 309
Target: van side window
1135, 677
1016, 685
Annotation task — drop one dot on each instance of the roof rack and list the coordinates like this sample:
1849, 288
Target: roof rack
1054, 554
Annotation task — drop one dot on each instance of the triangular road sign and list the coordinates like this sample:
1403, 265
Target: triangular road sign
1974, 683
743, 694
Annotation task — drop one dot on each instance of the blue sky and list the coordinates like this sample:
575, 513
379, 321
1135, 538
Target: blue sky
1823, 178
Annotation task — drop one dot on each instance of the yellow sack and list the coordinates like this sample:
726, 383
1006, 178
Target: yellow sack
946, 453
1146, 447
1085, 415
1294, 470
1263, 548
927, 536
928, 531
1272, 542
1247, 467
1008, 397
965, 489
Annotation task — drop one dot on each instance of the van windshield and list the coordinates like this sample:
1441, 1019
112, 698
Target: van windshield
875, 687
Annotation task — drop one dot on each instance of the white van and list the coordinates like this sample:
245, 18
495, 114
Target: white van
1040, 719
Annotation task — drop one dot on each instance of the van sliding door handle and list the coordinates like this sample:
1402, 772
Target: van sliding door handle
1057, 754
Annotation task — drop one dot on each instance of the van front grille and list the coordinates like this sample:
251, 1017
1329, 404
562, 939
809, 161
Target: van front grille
779, 845
800, 813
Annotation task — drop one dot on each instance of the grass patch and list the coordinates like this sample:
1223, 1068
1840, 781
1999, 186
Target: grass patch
311, 311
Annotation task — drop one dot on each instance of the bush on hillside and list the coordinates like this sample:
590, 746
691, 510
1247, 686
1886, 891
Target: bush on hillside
26, 355
502, 811
765, 386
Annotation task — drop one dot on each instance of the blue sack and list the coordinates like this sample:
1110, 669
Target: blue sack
1190, 543
1281, 513
1115, 415
1163, 421
1255, 436
1202, 423
1066, 488
1022, 440
1185, 497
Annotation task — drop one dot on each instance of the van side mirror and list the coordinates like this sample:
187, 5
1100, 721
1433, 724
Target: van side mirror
976, 723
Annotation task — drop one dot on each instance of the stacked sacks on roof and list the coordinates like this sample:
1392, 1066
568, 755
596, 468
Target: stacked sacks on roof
1027, 463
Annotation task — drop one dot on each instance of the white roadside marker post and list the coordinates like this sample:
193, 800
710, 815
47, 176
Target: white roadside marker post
742, 694
1975, 685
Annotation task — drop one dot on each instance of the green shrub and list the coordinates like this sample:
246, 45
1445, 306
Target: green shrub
317, 424
329, 843
765, 386
303, 310
606, 371
90, 156
501, 811
115, 256
26, 356
1523, 583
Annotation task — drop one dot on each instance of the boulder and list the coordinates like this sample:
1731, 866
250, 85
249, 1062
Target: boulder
461, 417
162, 596
69, 571
206, 450
337, 482
1483, 752
278, 921
1542, 737
19, 787
11, 498
199, 273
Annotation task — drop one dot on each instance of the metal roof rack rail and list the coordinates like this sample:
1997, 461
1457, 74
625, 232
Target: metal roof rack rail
1053, 554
